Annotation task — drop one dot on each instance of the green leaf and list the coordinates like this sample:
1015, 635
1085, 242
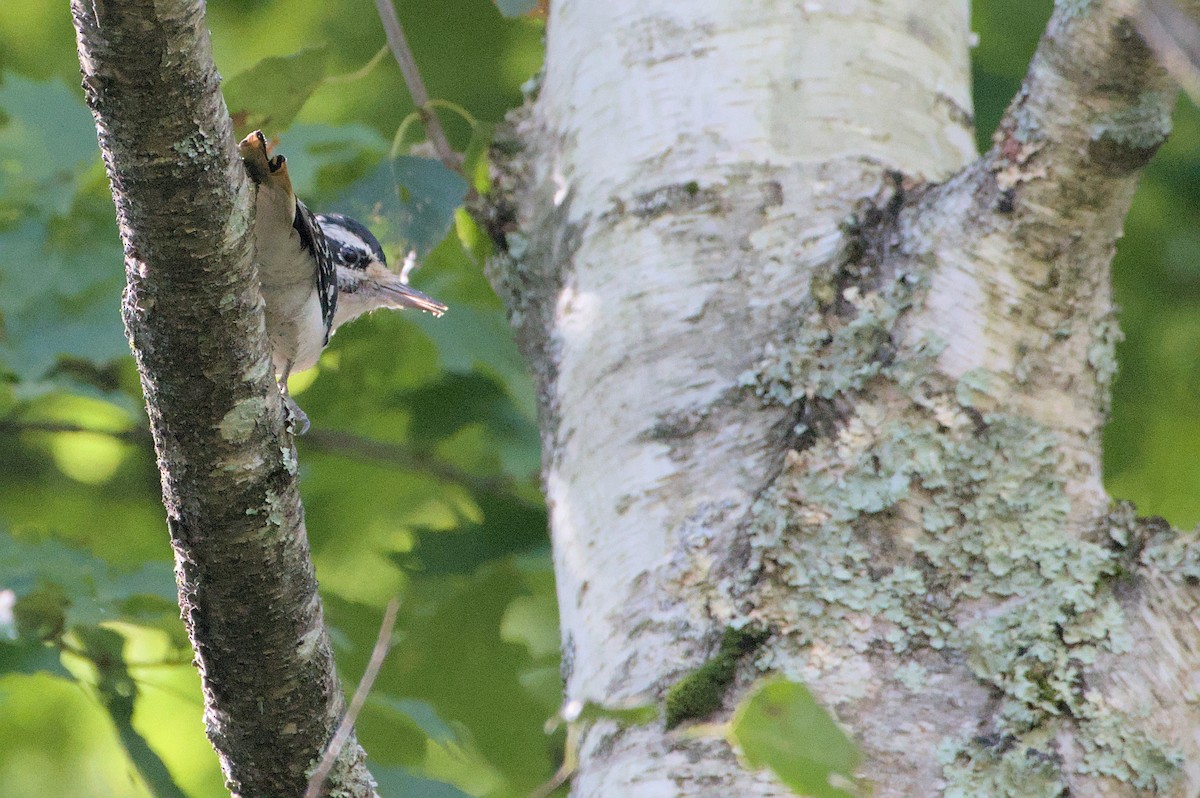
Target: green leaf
470, 338
454, 659
268, 95
782, 727
118, 693
408, 198
41, 614
533, 622
421, 714
31, 656
46, 140
38, 338
60, 255
67, 307
58, 586
398, 781
509, 526
327, 159
475, 160
462, 398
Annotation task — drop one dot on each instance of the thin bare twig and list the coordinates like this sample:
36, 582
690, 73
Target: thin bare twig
332, 442
358, 447
382, 643
1174, 35
134, 435
416, 87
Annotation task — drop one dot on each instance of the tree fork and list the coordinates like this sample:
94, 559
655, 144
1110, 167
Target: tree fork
842, 441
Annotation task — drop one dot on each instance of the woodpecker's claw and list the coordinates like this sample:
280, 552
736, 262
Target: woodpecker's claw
295, 419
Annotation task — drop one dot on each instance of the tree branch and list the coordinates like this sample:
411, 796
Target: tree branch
1174, 34
331, 442
193, 314
383, 642
1093, 109
1023, 237
398, 43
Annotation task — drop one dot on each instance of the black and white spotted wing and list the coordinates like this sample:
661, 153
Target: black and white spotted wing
313, 238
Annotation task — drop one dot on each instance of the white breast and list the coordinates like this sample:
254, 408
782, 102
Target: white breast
288, 274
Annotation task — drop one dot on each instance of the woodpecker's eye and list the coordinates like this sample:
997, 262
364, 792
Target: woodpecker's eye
352, 256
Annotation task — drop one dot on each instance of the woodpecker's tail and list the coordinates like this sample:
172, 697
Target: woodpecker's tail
262, 167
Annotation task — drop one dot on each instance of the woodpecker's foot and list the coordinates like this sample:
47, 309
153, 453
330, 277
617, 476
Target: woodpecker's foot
295, 419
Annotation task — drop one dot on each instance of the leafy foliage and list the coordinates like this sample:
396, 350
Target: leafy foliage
415, 197
781, 726
59, 589
57, 599
419, 478
55, 220
424, 484
269, 94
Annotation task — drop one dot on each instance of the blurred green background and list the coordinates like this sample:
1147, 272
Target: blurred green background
420, 476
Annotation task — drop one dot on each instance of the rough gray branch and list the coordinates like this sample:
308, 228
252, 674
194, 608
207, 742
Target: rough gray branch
193, 315
1025, 234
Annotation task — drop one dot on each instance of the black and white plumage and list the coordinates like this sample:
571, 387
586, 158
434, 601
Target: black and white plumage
313, 239
364, 281
317, 271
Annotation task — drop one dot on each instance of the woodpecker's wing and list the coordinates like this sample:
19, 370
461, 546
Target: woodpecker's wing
313, 239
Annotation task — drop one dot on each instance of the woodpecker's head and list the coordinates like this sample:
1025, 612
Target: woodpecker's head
350, 243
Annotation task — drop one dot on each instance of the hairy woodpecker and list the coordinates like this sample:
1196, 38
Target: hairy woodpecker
318, 271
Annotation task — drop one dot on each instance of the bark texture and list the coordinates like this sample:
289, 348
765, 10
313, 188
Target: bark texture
193, 314
808, 363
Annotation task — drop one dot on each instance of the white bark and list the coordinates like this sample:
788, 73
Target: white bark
784, 382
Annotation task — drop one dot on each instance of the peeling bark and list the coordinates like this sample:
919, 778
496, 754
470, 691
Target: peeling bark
807, 362
193, 314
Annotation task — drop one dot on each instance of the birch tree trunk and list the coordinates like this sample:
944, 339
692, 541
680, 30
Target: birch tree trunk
808, 363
